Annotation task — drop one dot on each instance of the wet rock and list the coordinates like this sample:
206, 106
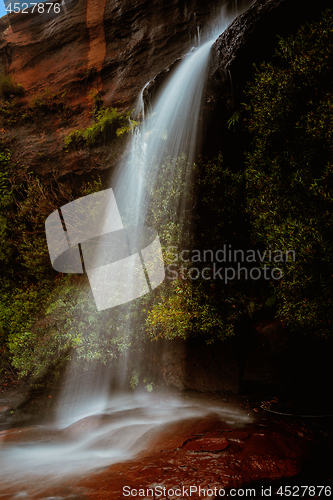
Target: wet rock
204, 451
208, 462
151, 89
252, 38
13, 394
206, 444
195, 365
198, 452
117, 46
26, 435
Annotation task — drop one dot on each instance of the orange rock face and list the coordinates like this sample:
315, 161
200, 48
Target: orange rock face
118, 45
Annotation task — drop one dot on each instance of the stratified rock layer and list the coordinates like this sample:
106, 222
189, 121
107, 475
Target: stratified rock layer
111, 47
119, 45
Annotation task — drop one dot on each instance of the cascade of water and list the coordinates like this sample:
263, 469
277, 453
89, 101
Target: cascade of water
198, 30
171, 129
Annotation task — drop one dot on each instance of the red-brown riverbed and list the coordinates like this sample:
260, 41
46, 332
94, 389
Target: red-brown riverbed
160, 446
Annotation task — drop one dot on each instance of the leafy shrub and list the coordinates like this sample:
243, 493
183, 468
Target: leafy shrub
108, 125
289, 171
9, 88
283, 200
47, 102
29, 285
47, 318
208, 217
183, 310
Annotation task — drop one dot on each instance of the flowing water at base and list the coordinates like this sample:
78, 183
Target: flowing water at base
39, 457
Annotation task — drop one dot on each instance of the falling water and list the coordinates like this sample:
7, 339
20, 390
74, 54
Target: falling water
172, 127
170, 130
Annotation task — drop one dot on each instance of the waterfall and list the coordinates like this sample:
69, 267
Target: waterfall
170, 130
163, 147
172, 127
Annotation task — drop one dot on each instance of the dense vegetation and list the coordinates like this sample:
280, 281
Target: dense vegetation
16, 110
279, 198
289, 171
30, 341
108, 124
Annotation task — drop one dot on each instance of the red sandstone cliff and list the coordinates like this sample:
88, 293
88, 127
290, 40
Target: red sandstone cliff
110, 46
119, 44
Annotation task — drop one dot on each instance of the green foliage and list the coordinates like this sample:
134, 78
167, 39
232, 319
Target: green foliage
149, 385
6, 201
15, 111
46, 102
170, 198
96, 100
46, 318
234, 119
30, 353
289, 171
283, 199
30, 338
198, 209
95, 96
108, 125
134, 382
185, 309
9, 88
46, 337
32, 202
